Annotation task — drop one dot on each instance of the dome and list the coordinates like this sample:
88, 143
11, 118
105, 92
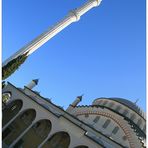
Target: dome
125, 102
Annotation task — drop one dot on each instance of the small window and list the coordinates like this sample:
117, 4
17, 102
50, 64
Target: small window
96, 119
118, 108
115, 130
125, 112
144, 128
107, 122
105, 102
139, 122
133, 116
111, 104
100, 101
6, 97
86, 115
14, 107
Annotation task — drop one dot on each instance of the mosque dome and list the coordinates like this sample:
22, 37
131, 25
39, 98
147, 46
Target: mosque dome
123, 102
117, 118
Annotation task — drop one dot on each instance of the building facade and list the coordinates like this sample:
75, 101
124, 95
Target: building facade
31, 121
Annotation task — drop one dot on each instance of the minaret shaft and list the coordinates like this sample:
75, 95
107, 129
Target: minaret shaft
52, 31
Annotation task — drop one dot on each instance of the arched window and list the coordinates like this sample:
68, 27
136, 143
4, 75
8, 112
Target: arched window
6, 97
105, 102
58, 140
100, 101
144, 128
139, 122
118, 108
39, 131
115, 130
111, 104
18, 126
133, 116
96, 119
107, 122
125, 112
11, 111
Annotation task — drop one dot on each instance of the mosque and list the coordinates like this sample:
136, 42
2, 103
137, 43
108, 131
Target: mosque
32, 121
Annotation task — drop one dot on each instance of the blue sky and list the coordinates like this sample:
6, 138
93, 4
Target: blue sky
102, 55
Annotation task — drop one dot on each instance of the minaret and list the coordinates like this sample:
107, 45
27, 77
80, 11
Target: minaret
32, 84
74, 103
73, 16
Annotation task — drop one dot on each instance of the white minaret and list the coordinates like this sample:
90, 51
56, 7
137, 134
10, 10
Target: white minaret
73, 16
32, 84
74, 103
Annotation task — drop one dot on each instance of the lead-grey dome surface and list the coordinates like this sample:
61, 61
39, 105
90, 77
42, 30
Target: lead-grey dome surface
127, 103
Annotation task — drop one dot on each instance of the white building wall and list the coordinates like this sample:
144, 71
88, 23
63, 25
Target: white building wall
77, 135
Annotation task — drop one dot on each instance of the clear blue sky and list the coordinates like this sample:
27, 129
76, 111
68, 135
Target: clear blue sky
102, 55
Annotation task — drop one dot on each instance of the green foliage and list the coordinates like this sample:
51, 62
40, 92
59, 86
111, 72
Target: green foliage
12, 66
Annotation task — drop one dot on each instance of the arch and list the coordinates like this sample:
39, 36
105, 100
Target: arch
122, 125
36, 134
81, 146
18, 126
11, 110
58, 140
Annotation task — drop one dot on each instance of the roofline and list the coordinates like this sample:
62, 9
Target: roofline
66, 117
126, 118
